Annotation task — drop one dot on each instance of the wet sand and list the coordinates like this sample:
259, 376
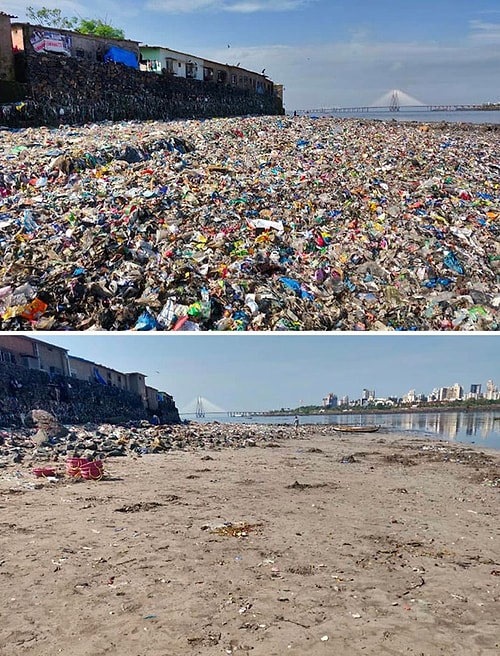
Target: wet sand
318, 544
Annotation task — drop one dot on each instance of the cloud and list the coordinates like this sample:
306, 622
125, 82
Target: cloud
356, 73
235, 6
396, 66
266, 5
67, 7
110, 11
482, 31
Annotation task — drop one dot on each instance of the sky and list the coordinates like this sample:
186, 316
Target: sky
326, 53
273, 371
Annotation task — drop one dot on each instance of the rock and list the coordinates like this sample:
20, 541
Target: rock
41, 438
49, 424
17, 457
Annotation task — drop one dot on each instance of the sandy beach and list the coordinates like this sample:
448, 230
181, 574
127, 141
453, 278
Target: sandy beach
315, 544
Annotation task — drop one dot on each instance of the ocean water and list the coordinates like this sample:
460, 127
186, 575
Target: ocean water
480, 428
422, 116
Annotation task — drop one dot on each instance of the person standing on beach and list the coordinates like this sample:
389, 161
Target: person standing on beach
296, 422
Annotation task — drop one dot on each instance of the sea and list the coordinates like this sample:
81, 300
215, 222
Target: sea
479, 428
422, 116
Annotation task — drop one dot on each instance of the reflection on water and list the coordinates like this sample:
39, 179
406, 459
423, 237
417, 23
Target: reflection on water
468, 427
452, 426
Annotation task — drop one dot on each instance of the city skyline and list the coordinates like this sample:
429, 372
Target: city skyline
270, 371
325, 53
456, 391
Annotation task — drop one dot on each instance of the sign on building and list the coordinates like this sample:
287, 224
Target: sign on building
43, 41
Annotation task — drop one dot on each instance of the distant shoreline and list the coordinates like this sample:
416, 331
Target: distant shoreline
389, 411
431, 118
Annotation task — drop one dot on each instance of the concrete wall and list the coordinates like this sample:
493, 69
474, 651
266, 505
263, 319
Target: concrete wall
83, 46
151, 398
136, 383
35, 354
179, 64
53, 359
84, 370
6, 53
18, 346
81, 369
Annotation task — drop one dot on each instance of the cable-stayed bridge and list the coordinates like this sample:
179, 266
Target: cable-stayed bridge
392, 101
201, 407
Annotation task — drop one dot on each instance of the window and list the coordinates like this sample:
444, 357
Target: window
7, 357
191, 70
170, 64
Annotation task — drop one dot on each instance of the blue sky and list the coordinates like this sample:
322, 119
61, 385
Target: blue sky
325, 52
269, 371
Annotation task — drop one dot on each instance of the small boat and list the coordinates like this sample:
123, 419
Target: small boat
356, 429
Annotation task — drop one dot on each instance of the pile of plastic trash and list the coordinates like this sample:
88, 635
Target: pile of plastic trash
247, 224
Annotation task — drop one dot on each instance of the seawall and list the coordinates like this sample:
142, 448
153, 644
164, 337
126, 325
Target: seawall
60, 89
71, 400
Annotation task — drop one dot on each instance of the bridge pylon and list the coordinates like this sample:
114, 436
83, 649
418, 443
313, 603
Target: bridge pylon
200, 410
394, 106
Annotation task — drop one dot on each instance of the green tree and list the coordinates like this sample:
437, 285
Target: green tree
99, 28
51, 18
54, 18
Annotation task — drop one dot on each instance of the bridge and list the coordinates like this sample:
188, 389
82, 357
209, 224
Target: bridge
392, 101
201, 407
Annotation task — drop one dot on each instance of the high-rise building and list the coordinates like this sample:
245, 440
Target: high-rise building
492, 393
330, 401
434, 396
475, 389
444, 394
453, 393
410, 397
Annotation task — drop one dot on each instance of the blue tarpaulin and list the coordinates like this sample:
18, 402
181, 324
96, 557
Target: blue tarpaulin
98, 377
121, 56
